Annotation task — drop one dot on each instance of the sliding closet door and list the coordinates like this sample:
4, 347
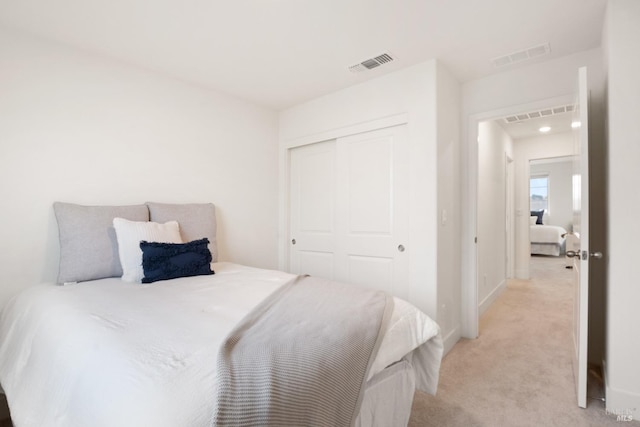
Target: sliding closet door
349, 210
372, 214
312, 209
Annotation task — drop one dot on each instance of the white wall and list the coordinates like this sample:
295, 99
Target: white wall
525, 150
560, 202
622, 44
514, 90
84, 129
448, 136
494, 145
411, 93
524, 85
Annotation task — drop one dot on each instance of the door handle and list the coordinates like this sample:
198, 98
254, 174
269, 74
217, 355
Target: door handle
293, 241
573, 254
576, 254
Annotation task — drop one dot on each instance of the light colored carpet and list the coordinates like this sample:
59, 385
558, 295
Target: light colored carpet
518, 372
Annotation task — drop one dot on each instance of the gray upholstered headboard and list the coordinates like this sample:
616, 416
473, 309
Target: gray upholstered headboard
88, 244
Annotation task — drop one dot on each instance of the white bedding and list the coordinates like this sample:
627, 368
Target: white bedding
546, 234
107, 352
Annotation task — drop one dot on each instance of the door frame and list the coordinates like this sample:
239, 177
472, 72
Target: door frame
510, 248
469, 287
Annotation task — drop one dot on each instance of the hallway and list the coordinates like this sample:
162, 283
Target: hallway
519, 372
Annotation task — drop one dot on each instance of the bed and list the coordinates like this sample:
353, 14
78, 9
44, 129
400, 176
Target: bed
547, 239
107, 351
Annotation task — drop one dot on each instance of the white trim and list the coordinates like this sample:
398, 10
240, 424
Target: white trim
283, 202
493, 295
451, 339
469, 289
510, 250
355, 128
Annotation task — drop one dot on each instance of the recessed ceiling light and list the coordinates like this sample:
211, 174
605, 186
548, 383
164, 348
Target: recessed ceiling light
575, 124
544, 129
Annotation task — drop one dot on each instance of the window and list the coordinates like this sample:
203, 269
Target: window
539, 192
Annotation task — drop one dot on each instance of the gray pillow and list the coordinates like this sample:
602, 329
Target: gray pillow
197, 220
88, 243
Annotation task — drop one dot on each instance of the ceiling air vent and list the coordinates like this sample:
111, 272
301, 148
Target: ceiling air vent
522, 55
371, 63
547, 112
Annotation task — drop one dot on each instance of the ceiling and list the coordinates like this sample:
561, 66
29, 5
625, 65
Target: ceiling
278, 53
527, 124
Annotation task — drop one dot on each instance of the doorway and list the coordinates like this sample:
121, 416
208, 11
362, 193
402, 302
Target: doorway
490, 223
471, 283
469, 273
551, 206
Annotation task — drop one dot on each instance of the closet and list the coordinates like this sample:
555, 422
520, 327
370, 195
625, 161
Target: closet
349, 210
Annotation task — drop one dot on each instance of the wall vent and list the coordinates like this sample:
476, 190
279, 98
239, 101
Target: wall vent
547, 112
522, 55
371, 63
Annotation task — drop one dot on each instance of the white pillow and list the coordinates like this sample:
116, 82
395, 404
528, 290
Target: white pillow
533, 219
131, 233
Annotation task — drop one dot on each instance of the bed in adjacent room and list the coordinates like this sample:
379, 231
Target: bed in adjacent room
184, 340
546, 239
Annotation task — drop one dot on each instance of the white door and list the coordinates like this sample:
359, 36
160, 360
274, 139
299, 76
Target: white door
349, 210
581, 253
372, 221
312, 209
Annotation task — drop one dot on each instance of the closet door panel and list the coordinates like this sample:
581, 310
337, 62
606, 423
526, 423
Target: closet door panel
372, 210
314, 263
373, 272
312, 209
369, 179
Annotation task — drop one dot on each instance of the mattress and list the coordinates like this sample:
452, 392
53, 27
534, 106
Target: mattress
547, 239
107, 352
546, 234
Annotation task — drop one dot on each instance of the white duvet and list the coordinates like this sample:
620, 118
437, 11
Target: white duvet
546, 234
111, 353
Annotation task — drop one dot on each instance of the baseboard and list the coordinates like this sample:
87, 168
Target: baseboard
451, 339
486, 303
623, 404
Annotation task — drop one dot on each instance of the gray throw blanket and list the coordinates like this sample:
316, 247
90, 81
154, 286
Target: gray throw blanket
302, 356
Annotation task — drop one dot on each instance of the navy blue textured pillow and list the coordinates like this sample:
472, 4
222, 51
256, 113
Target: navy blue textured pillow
163, 261
539, 214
